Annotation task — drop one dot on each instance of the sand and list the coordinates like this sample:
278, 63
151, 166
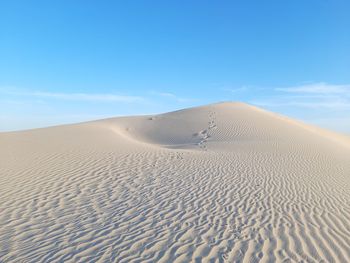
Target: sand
226, 182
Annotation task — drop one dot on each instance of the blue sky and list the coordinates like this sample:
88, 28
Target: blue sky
69, 61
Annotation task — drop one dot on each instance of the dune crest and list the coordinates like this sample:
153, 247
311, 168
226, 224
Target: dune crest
226, 182
236, 121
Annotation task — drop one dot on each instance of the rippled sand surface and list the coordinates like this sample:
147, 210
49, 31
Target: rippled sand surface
226, 182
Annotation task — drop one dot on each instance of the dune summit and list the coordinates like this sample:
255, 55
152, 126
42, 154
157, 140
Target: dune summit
223, 182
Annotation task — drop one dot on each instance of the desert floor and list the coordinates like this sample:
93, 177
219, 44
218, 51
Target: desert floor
222, 182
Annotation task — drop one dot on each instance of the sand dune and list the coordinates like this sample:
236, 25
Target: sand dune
226, 182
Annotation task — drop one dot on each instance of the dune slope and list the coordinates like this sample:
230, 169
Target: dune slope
223, 182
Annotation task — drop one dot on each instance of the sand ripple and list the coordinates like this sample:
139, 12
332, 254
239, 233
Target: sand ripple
235, 185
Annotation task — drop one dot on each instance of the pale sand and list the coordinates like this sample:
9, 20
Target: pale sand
223, 182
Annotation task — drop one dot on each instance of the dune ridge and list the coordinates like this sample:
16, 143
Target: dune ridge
225, 182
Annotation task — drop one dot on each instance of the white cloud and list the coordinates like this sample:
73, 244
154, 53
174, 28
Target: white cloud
167, 94
104, 97
172, 96
235, 90
284, 102
312, 96
341, 124
88, 97
318, 88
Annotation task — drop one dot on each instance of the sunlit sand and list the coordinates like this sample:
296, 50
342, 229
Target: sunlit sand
222, 182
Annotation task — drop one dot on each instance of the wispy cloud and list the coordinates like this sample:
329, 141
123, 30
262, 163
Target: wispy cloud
341, 124
234, 90
319, 95
318, 88
166, 94
90, 97
284, 102
171, 96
